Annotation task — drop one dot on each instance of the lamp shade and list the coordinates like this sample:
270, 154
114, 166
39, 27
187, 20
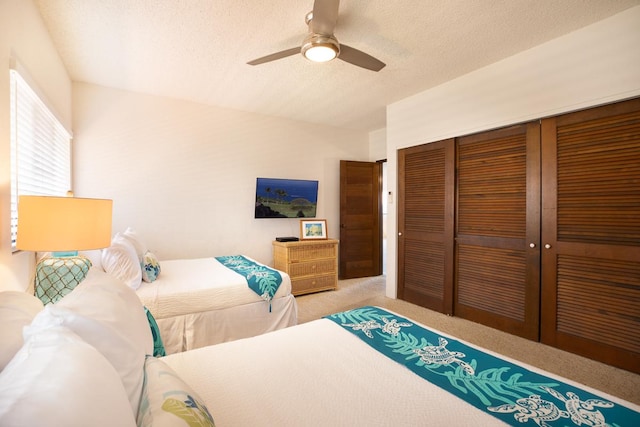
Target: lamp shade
60, 224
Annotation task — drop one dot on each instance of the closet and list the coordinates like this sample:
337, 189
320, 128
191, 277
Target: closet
533, 229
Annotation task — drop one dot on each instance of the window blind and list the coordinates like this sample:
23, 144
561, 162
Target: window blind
40, 149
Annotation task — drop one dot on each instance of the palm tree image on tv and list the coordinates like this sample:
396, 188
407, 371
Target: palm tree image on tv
286, 198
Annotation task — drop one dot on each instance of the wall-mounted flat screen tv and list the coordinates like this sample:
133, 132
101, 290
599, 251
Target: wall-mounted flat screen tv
286, 198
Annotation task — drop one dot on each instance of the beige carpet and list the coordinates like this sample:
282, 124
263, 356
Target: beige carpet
371, 291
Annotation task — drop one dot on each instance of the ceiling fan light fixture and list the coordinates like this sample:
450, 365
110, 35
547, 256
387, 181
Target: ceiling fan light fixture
320, 45
320, 53
319, 48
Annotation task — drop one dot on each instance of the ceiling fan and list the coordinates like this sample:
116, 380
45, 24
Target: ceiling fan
321, 45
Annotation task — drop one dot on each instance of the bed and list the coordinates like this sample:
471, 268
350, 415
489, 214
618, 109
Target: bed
202, 301
366, 366
332, 372
199, 302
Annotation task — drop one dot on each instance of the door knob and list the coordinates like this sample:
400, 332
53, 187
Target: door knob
547, 246
532, 245
400, 234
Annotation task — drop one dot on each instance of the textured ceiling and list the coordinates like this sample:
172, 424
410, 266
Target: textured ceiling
197, 49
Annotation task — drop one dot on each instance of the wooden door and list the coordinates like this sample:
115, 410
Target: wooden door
497, 255
426, 175
360, 215
591, 233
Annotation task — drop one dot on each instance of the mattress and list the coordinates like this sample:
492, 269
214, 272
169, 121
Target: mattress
319, 374
196, 285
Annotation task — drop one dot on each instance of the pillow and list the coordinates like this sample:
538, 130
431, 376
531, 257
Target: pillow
158, 346
57, 379
17, 310
120, 260
56, 277
150, 267
167, 399
95, 256
134, 238
109, 316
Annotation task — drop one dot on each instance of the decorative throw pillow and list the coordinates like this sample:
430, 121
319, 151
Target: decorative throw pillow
158, 346
17, 310
150, 267
167, 399
56, 277
120, 260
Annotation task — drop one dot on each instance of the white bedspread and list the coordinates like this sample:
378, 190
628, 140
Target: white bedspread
317, 374
187, 286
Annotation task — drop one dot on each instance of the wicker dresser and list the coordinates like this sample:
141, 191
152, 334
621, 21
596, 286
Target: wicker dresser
312, 265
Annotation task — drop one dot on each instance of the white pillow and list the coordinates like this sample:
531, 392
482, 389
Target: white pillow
109, 316
132, 236
121, 260
57, 379
17, 310
168, 401
95, 256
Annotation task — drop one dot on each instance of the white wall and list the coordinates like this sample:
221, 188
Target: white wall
595, 65
378, 145
24, 38
184, 174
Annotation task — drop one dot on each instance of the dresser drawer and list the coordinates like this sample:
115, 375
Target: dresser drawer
313, 251
310, 268
313, 284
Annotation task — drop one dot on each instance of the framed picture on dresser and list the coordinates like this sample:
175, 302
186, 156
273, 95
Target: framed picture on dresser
313, 229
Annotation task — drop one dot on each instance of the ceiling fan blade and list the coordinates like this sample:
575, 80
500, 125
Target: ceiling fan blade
274, 56
325, 16
359, 58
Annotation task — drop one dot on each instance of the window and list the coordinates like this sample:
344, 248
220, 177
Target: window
40, 149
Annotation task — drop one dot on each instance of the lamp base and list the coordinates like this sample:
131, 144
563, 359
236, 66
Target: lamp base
65, 254
56, 277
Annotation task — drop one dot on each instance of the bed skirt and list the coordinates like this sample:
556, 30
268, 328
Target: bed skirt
194, 330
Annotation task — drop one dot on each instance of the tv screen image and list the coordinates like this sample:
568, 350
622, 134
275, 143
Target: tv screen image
286, 198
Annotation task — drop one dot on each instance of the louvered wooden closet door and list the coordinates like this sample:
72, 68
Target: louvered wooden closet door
591, 224
497, 258
426, 176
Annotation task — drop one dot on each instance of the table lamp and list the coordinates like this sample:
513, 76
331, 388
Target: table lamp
63, 226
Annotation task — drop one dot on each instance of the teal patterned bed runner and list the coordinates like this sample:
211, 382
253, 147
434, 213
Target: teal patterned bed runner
511, 393
263, 280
